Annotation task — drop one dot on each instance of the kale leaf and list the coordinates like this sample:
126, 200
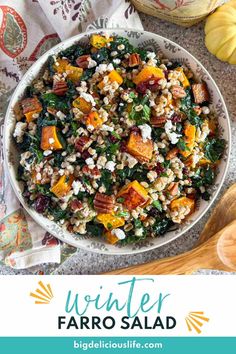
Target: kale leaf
214, 149
52, 100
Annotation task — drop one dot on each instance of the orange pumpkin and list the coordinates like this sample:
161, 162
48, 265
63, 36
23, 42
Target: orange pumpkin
94, 119
83, 105
138, 148
110, 221
134, 195
63, 186
147, 73
49, 138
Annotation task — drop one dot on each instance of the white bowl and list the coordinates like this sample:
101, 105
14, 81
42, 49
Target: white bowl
171, 51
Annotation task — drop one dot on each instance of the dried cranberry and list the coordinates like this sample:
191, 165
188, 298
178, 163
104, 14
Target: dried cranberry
113, 139
159, 168
76, 205
85, 154
123, 146
135, 129
175, 118
154, 212
166, 74
142, 87
185, 171
151, 84
41, 203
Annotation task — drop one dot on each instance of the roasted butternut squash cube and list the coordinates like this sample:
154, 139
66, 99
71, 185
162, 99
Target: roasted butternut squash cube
140, 149
49, 138
147, 73
29, 116
182, 201
73, 73
134, 195
204, 162
112, 239
98, 41
183, 78
60, 65
110, 221
83, 105
113, 76
63, 186
94, 119
190, 134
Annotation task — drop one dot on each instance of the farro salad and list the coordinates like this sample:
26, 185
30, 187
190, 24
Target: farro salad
116, 141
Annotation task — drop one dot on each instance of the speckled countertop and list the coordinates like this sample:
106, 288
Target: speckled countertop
224, 74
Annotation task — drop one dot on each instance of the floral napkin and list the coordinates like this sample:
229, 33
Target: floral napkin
28, 29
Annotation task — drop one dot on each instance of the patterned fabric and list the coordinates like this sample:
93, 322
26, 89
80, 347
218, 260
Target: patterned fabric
28, 29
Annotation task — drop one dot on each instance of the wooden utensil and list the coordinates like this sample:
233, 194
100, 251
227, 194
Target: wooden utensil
223, 214
217, 245
219, 252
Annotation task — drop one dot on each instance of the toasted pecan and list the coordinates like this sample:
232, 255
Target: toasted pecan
76, 205
82, 143
178, 92
91, 172
103, 203
173, 188
134, 60
172, 153
158, 121
60, 87
83, 61
200, 93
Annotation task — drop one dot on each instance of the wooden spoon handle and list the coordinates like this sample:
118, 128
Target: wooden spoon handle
204, 256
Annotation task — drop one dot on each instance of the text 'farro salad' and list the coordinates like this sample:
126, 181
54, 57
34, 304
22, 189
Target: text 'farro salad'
116, 142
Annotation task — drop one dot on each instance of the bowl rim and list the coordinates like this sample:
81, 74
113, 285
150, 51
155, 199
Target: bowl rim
13, 181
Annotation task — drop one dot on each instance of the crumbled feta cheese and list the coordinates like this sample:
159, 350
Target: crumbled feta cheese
101, 68
60, 115
205, 110
89, 98
47, 152
146, 131
106, 128
173, 137
138, 232
132, 161
118, 233
51, 140
110, 165
19, 131
152, 175
77, 187
114, 53
89, 161
110, 67
91, 63
90, 128
121, 47
151, 55
168, 125
116, 61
